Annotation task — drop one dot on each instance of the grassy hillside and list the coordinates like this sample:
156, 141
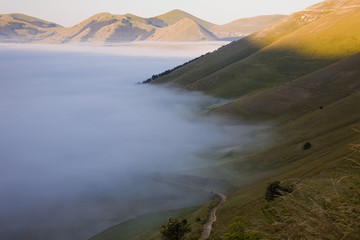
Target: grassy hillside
312, 92
324, 177
330, 131
300, 75
148, 224
292, 47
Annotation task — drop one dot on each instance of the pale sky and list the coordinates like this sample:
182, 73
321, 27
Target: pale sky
71, 12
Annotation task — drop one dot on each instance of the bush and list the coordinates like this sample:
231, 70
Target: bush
307, 146
274, 190
174, 229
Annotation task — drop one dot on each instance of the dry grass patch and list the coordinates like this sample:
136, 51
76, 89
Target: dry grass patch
326, 206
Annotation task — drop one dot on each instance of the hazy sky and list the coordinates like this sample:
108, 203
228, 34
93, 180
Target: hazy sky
71, 12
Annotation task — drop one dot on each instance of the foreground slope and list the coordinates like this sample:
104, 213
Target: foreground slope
301, 43
321, 109
309, 91
17, 27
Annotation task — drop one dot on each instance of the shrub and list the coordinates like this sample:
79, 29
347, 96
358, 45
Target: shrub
274, 190
307, 146
174, 229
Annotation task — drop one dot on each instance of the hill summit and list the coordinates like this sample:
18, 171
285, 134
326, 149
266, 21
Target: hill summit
176, 25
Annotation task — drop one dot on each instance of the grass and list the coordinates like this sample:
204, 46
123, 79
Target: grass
325, 177
196, 219
275, 55
325, 206
330, 132
140, 227
310, 171
320, 88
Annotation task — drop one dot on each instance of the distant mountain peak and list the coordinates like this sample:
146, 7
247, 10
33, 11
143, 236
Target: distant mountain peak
178, 11
175, 25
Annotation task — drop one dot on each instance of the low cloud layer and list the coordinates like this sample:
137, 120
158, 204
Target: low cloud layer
80, 142
139, 49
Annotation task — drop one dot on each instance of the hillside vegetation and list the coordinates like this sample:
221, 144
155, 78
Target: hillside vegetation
301, 76
297, 45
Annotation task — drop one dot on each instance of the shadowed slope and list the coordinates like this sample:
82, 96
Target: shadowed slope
330, 131
309, 93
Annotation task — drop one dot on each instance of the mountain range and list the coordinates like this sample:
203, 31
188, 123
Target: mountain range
175, 25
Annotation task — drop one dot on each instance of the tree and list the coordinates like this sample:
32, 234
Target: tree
174, 229
307, 146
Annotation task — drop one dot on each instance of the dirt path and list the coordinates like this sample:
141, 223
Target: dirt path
212, 218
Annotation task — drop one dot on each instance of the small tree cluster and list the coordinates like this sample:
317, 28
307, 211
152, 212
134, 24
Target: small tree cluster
274, 190
156, 76
307, 146
174, 229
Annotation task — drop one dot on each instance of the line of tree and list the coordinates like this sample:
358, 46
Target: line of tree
156, 76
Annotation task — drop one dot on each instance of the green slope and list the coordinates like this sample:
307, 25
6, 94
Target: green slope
140, 227
302, 76
301, 43
331, 131
318, 173
305, 94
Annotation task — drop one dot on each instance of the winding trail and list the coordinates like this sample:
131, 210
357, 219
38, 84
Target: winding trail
212, 218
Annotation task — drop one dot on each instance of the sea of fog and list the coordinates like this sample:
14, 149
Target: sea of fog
81, 142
